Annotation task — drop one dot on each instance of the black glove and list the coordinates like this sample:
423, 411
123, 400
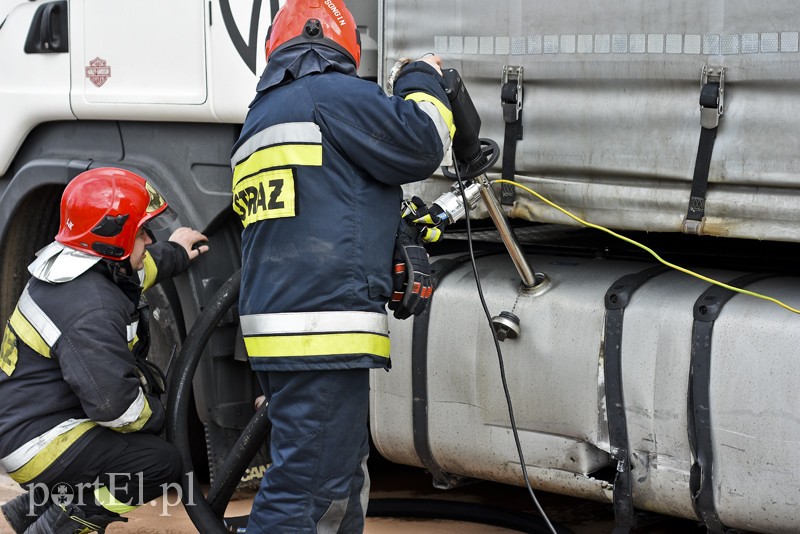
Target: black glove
411, 276
151, 377
431, 220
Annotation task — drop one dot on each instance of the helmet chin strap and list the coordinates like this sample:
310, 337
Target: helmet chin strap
122, 275
121, 270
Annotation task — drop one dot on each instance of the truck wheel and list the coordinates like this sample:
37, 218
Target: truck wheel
34, 225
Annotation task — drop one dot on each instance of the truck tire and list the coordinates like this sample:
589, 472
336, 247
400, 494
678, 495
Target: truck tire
34, 225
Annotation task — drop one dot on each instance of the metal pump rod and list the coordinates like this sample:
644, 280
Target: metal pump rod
506, 234
452, 203
472, 156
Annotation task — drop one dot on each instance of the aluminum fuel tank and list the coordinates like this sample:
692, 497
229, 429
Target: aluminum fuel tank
442, 404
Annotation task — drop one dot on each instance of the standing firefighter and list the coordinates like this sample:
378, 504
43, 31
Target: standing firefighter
316, 182
79, 421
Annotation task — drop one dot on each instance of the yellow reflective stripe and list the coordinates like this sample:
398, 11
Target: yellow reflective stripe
426, 219
132, 343
28, 334
150, 271
267, 195
8, 352
317, 345
446, 114
37, 318
36, 465
134, 417
88, 527
110, 503
298, 133
430, 234
25, 453
288, 155
140, 421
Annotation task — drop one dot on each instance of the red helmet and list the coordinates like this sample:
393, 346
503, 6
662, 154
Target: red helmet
103, 209
327, 22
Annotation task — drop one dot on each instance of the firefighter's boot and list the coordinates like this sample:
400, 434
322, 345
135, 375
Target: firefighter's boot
20, 514
70, 520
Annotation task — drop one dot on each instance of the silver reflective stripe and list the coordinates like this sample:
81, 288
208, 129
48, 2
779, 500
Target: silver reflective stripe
441, 126
290, 132
331, 520
314, 322
764, 42
132, 328
131, 414
23, 455
41, 322
364, 495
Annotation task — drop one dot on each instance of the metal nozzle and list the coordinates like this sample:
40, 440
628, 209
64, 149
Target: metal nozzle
452, 203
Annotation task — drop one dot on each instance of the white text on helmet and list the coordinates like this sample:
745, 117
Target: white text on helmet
336, 12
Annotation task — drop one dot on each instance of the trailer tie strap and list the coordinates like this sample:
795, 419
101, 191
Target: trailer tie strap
712, 91
511, 101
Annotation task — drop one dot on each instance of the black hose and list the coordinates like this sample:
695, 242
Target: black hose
460, 511
198, 509
224, 484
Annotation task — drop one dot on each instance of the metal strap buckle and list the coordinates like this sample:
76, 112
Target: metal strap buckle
710, 114
513, 105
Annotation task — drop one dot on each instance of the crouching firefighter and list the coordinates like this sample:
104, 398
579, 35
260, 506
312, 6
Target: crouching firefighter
317, 172
79, 424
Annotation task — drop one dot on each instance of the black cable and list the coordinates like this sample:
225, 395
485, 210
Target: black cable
499, 354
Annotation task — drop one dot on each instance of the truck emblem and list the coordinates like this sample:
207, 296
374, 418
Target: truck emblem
247, 49
98, 71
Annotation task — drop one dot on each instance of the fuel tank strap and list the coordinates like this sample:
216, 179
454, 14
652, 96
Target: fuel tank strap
701, 480
616, 300
419, 380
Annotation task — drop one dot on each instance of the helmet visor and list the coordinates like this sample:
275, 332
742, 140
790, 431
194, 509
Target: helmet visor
161, 221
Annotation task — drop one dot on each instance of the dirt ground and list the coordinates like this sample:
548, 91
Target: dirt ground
168, 516
392, 481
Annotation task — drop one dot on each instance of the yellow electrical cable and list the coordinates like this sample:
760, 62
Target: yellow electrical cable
647, 249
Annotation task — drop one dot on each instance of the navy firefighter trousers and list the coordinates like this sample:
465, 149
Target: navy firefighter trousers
318, 480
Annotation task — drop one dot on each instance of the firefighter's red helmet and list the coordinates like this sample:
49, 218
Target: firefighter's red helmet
327, 22
103, 209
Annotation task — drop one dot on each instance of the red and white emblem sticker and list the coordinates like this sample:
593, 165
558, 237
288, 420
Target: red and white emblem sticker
98, 71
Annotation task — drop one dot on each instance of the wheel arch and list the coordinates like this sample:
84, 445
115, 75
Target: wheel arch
190, 165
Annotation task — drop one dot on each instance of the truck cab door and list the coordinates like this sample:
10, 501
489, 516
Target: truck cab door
143, 52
